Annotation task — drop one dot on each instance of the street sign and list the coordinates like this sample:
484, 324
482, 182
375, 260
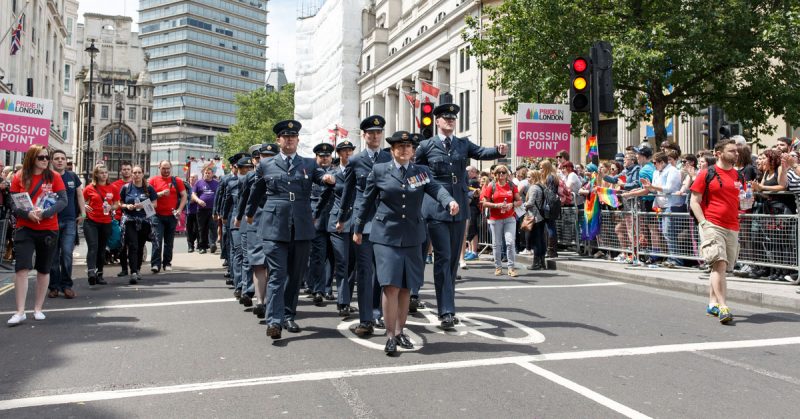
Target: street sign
24, 121
542, 129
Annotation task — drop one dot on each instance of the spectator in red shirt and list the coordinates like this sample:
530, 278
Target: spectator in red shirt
501, 196
125, 177
716, 207
171, 200
102, 199
37, 228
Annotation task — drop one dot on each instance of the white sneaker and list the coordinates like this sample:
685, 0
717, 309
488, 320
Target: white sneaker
168, 268
16, 319
525, 252
463, 265
38, 315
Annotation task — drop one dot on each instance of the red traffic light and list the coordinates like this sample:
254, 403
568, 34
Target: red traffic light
427, 107
579, 65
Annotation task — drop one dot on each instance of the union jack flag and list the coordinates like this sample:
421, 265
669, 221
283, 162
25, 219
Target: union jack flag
16, 35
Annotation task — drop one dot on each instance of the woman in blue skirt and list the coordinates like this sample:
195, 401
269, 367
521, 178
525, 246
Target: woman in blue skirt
393, 201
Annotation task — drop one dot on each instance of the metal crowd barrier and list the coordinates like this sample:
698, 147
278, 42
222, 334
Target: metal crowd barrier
765, 239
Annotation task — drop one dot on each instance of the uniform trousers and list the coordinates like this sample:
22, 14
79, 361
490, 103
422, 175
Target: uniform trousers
344, 256
321, 256
287, 263
247, 286
446, 238
365, 278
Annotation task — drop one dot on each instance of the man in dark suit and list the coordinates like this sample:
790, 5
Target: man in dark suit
448, 156
355, 181
287, 225
321, 251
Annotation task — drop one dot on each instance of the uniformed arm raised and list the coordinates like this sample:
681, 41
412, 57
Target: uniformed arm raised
348, 194
439, 193
364, 209
321, 177
421, 156
485, 153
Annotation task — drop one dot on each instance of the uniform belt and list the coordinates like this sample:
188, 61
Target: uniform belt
447, 178
291, 197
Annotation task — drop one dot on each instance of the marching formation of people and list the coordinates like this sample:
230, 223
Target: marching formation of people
366, 222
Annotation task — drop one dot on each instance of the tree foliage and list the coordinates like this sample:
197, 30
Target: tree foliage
258, 111
670, 57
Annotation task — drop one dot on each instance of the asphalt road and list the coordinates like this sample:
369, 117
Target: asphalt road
543, 345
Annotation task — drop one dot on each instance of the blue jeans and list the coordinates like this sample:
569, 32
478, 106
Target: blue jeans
61, 270
164, 226
672, 227
504, 230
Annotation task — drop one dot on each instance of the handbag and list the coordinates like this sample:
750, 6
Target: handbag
527, 223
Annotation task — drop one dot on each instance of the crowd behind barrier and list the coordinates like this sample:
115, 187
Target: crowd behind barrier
768, 240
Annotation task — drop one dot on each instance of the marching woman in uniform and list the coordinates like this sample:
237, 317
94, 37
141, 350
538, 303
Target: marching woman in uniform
398, 229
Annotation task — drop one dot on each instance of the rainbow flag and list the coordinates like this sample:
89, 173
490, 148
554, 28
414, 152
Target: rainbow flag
608, 197
590, 227
591, 147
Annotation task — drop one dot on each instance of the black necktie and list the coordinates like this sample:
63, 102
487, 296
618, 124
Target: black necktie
289, 163
447, 144
402, 172
374, 156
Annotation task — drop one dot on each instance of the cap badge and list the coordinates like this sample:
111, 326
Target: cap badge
291, 125
405, 136
376, 121
452, 108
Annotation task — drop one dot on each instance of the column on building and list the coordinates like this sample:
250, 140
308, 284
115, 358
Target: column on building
440, 75
626, 137
390, 98
378, 105
404, 115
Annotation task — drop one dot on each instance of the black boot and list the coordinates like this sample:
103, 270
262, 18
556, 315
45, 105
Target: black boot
552, 246
535, 264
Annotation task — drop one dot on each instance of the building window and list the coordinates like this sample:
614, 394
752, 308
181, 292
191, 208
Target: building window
245, 73
422, 30
104, 112
393, 51
68, 40
143, 137
369, 62
65, 126
463, 59
463, 119
406, 41
367, 109
439, 17
67, 77
132, 113
221, 69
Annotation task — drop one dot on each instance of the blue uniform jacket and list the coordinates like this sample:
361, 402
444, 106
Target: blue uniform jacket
450, 171
288, 202
244, 194
321, 203
223, 183
359, 167
231, 198
395, 207
334, 198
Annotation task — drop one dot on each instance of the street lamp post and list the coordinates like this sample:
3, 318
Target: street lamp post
92, 50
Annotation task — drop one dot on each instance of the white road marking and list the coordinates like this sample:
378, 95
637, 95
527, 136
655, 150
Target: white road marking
584, 391
404, 369
751, 368
117, 306
515, 287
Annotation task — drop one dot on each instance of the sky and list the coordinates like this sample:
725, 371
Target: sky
280, 26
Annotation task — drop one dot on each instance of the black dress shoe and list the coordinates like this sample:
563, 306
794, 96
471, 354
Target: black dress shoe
100, 280
274, 331
447, 322
391, 347
413, 306
403, 341
122, 273
191, 250
319, 299
237, 294
329, 296
228, 282
379, 324
364, 329
291, 326
344, 311
227, 275
213, 248
246, 301
260, 311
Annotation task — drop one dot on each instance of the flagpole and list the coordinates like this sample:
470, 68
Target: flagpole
14, 22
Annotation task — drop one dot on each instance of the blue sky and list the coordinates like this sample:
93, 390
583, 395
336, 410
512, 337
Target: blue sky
280, 29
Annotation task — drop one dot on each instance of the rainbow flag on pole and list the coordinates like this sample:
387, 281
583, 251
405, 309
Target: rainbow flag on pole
591, 147
590, 226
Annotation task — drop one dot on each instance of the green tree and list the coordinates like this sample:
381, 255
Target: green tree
670, 57
258, 111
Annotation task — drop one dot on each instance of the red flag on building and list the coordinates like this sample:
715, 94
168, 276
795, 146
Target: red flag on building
429, 93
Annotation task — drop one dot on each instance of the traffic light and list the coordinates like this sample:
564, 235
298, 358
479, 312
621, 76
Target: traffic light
712, 129
426, 119
579, 73
602, 61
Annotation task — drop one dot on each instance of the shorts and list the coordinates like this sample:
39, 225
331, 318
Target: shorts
719, 244
27, 241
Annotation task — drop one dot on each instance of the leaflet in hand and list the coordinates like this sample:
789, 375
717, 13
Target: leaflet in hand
149, 209
22, 201
47, 198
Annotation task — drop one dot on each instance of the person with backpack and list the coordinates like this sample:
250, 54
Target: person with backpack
102, 199
501, 196
715, 204
553, 183
537, 199
135, 222
171, 200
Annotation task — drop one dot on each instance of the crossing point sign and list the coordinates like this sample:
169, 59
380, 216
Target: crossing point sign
542, 130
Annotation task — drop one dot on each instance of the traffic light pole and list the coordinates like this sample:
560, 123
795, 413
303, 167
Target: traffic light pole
594, 95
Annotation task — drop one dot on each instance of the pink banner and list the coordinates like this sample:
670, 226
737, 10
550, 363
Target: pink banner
18, 133
542, 139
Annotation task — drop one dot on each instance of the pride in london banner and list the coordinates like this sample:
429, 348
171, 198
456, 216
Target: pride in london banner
543, 129
24, 121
